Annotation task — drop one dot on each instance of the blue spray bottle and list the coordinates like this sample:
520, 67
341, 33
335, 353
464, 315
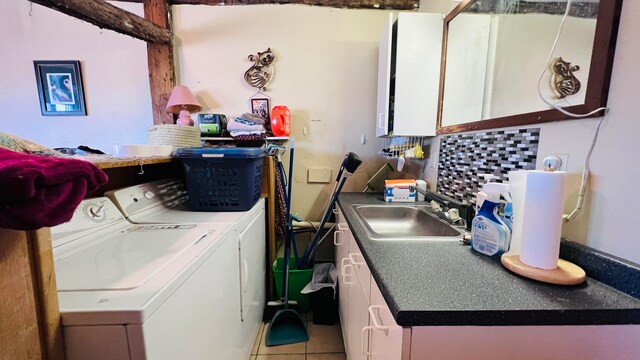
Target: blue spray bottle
490, 234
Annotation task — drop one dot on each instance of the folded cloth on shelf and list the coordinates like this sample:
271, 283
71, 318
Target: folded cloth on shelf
243, 133
251, 137
254, 119
234, 125
38, 191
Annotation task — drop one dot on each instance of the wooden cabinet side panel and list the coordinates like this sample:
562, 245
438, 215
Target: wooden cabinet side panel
269, 193
19, 333
47, 291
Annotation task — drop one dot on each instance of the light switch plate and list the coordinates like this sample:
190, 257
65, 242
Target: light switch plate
319, 175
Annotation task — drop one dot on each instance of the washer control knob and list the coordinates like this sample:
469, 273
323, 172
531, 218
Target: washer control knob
96, 212
149, 195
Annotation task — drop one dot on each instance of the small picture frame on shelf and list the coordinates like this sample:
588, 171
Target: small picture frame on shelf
261, 107
59, 85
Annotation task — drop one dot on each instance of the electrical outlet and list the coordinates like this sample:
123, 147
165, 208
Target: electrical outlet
556, 161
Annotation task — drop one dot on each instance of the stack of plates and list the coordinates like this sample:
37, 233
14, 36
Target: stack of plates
142, 150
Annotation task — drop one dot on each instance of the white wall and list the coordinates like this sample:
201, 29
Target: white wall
608, 221
325, 72
114, 70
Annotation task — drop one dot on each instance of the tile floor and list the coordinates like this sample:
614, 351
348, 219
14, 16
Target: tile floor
325, 343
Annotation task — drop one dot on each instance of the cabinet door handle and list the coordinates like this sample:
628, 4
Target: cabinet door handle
352, 257
365, 330
335, 238
344, 271
380, 118
343, 226
374, 319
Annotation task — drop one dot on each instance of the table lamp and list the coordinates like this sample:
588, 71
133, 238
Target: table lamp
183, 102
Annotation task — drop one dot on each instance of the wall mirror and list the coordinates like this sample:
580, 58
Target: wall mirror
495, 50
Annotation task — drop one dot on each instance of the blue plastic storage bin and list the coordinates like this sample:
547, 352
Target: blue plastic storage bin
222, 179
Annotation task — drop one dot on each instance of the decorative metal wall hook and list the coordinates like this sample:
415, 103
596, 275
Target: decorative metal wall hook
564, 82
259, 75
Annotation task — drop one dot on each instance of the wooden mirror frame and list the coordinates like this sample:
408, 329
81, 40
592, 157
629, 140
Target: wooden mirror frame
604, 46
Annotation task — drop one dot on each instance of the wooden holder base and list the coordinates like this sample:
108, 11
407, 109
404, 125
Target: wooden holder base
565, 274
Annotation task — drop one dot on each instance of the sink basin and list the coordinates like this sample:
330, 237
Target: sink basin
404, 222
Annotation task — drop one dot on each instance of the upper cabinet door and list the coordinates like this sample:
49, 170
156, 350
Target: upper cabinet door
409, 75
384, 78
417, 74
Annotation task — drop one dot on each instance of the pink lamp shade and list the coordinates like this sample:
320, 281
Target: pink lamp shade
183, 102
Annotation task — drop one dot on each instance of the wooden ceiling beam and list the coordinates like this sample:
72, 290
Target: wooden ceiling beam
107, 16
348, 4
162, 76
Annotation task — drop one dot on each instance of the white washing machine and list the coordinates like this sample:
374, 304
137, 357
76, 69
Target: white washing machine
152, 291
164, 202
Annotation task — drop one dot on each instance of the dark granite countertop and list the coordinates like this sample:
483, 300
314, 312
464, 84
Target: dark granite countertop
429, 283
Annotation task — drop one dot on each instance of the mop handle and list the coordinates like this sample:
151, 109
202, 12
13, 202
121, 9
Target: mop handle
287, 241
314, 242
315, 248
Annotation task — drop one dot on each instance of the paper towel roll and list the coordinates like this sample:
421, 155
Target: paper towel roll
538, 199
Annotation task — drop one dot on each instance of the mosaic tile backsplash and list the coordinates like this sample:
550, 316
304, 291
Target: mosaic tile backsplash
464, 157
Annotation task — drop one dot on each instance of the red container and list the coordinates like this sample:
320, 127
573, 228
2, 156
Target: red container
280, 120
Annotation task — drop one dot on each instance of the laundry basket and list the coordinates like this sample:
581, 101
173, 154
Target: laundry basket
222, 179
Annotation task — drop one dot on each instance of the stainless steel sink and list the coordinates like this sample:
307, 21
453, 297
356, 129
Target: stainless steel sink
404, 222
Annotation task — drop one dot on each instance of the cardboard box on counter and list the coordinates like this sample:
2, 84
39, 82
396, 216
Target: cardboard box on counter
400, 190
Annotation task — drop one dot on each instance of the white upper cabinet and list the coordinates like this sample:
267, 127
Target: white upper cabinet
409, 75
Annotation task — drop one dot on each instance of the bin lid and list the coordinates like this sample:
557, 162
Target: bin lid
229, 152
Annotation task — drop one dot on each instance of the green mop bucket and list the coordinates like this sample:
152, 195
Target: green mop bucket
298, 279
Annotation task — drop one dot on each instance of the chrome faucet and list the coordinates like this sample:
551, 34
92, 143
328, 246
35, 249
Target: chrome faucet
450, 210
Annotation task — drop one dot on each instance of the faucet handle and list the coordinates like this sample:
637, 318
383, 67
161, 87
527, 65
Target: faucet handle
435, 206
453, 214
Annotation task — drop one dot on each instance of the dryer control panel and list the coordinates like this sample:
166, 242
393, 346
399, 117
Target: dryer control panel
135, 199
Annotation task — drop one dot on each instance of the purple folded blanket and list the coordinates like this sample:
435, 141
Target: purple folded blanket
38, 191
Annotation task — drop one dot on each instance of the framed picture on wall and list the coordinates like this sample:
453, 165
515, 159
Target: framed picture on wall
60, 87
260, 106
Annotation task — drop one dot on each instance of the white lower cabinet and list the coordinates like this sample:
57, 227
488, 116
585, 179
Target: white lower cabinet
386, 335
358, 320
368, 328
341, 242
371, 333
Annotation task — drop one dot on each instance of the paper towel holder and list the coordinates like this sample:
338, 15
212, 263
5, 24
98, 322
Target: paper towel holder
566, 273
